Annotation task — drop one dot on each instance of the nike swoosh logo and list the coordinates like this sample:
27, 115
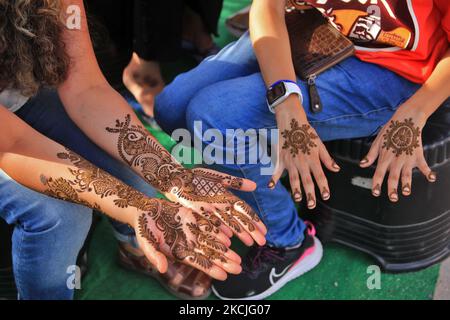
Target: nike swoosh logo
274, 276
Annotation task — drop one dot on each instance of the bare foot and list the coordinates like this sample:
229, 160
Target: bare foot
143, 79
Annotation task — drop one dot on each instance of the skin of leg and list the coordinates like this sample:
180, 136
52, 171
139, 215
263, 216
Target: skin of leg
47, 238
353, 107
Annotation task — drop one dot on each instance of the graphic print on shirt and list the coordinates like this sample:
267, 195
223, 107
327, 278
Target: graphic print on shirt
378, 24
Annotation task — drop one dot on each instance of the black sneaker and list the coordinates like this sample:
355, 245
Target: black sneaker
266, 269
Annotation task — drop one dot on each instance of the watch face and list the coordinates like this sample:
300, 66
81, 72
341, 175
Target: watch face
276, 92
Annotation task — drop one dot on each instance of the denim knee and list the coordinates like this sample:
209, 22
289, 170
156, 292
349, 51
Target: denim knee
170, 108
45, 245
204, 108
58, 216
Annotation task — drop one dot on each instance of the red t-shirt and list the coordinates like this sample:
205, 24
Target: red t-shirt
408, 37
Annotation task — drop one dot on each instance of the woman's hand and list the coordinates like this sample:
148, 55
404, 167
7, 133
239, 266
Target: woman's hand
166, 229
202, 190
302, 154
399, 150
205, 191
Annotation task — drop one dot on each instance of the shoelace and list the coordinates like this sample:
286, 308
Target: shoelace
262, 255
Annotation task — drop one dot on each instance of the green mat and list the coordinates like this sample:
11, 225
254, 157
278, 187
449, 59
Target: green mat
342, 274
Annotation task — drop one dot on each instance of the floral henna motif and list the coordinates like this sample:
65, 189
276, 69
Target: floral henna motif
168, 222
138, 148
162, 214
207, 221
206, 239
145, 232
402, 136
62, 189
299, 138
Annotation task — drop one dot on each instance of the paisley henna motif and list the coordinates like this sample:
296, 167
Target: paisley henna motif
299, 138
139, 149
402, 136
145, 232
158, 215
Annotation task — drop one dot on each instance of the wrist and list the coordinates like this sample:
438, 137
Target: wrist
291, 107
419, 113
281, 91
130, 216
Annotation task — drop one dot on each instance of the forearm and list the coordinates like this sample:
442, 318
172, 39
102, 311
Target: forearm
434, 91
271, 41
47, 167
107, 119
95, 106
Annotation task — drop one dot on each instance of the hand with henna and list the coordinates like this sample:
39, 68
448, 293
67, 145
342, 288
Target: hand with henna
301, 153
398, 148
202, 190
163, 229
166, 229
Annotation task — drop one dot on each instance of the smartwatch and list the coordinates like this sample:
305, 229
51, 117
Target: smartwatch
280, 91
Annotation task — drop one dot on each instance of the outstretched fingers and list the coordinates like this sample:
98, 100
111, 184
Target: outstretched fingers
200, 261
372, 155
219, 259
327, 160
246, 222
227, 219
294, 180
425, 169
278, 172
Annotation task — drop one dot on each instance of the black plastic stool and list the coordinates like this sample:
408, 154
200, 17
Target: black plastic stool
411, 234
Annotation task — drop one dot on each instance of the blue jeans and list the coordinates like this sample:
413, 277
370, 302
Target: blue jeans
48, 232
227, 91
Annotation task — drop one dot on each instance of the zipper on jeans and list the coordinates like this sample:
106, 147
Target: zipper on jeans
315, 103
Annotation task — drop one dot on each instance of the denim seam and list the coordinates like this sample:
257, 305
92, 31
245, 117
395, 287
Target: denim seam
342, 117
17, 277
19, 247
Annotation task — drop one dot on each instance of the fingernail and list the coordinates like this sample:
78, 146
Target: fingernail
432, 176
407, 189
325, 194
335, 166
271, 184
311, 201
364, 160
297, 196
393, 196
377, 190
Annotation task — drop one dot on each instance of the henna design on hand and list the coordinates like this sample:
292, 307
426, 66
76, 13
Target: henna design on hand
402, 136
62, 189
165, 217
145, 232
138, 149
299, 138
180, 237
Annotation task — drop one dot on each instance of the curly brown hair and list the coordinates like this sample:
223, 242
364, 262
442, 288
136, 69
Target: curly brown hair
32, 53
